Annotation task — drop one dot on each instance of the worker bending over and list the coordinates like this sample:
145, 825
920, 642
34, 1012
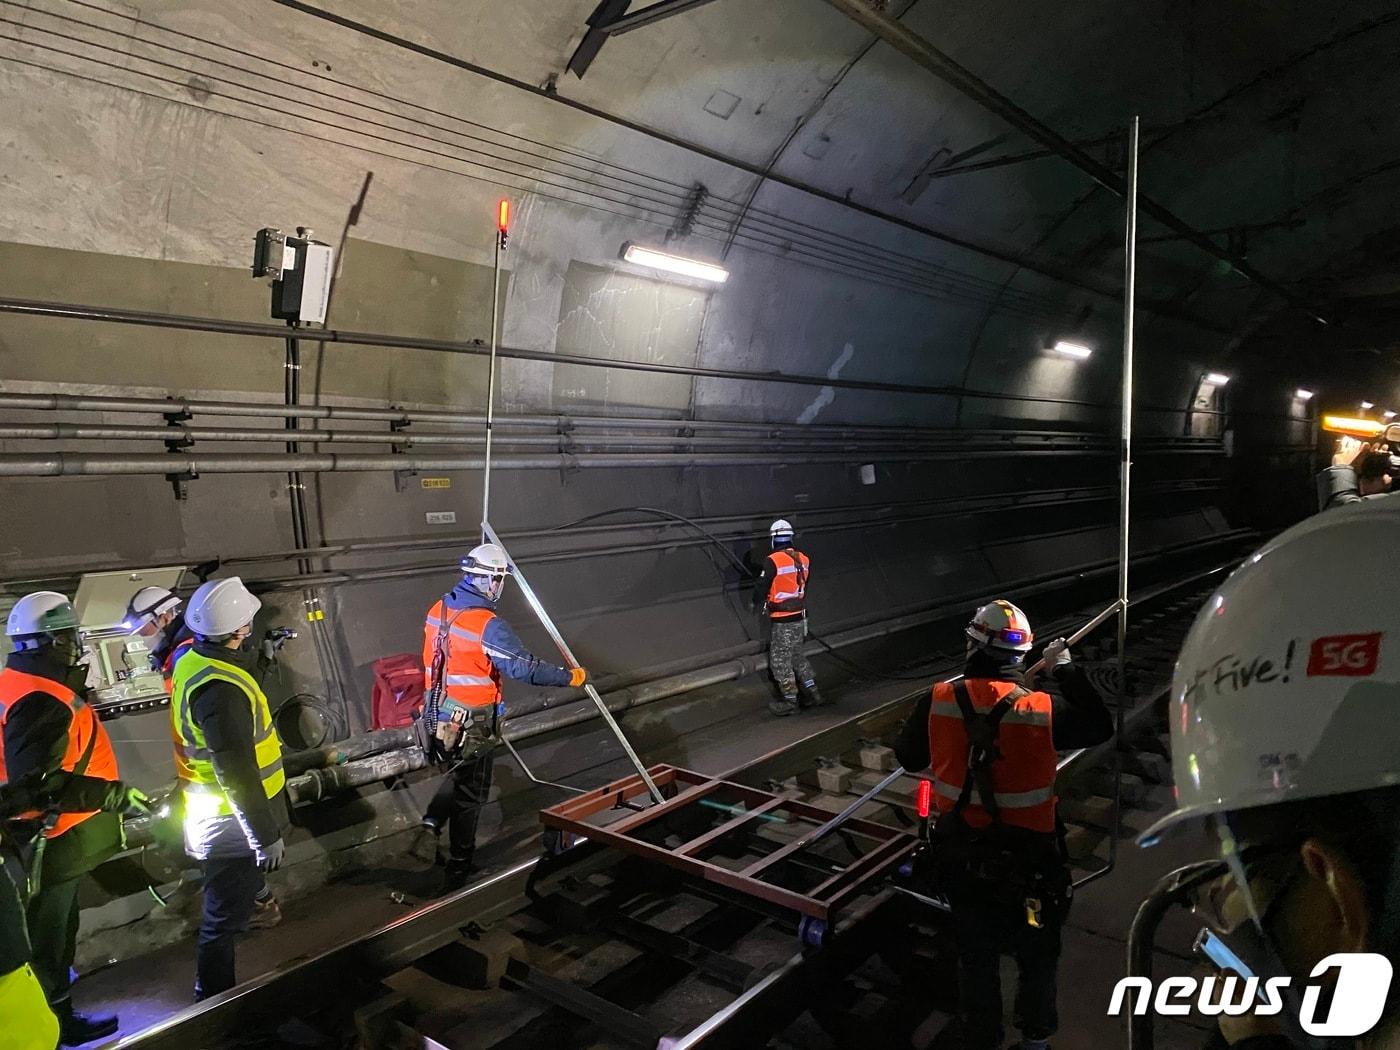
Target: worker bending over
782, 588
467, 649
48, 727
998, 845
229, 761
154, 614
26, 806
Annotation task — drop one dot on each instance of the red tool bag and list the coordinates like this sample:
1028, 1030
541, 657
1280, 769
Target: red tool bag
398, 690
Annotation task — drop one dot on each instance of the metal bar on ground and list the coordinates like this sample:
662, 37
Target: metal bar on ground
519, 761
489, 534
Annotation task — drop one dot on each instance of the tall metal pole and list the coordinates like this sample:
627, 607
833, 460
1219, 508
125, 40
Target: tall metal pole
1125, 466
491, 375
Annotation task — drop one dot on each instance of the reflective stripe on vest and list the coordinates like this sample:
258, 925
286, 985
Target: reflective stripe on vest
86, 736
1023, 778
469, 676
193, 761
787, 593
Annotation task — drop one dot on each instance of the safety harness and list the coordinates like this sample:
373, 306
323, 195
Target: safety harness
982, 751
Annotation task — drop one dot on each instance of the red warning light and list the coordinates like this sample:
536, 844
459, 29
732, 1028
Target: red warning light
503, 215
925, 798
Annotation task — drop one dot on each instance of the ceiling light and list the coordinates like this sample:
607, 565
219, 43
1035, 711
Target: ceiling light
678, 264
1079, 350
1366, 406
1303, 395
1216, 379
1388, 414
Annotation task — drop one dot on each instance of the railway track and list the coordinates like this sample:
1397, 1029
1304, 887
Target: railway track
598, 948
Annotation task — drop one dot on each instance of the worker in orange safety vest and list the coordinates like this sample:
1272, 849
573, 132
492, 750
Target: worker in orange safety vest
991, 740
467, 649
48, 727
782, 590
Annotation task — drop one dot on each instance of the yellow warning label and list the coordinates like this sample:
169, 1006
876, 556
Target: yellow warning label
435, 483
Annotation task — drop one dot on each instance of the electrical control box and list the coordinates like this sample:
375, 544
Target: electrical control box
301, 270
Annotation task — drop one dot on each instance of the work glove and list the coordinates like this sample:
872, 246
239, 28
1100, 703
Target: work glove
273, 640
270, 857
577, 677
1057, 654
129, 801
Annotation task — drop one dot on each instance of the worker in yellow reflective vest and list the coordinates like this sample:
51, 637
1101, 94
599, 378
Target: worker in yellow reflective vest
230, 765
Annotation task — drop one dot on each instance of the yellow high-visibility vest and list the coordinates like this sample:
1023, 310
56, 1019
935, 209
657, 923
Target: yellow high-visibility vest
203, 796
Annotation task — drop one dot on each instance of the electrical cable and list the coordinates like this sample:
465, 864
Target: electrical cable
863, 257
851, 665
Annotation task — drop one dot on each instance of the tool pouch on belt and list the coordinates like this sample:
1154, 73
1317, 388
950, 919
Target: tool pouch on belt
1009, 863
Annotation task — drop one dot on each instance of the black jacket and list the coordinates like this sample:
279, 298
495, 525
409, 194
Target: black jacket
36, 737
221, 711
1078, 717
67, 794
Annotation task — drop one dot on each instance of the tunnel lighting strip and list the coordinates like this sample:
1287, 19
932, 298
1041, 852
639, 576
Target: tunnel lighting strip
677, 264
1069, 349
1216, 379
1303, 395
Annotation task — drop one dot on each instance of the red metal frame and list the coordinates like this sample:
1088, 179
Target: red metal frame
684, 789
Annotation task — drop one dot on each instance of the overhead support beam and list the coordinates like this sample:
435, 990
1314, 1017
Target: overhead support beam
910, 44
1020, 260
610, 18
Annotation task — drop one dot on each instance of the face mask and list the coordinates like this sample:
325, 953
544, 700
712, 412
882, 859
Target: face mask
155, 639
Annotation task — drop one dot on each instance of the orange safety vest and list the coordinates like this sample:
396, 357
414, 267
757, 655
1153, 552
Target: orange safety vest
167, 669
89, 751
469, 677
787, 594
1023, 777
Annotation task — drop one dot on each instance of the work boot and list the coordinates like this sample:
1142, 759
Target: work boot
266, 914
75, 1029
783, 708
811, 696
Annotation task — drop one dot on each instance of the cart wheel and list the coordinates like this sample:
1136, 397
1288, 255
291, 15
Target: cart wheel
811, 931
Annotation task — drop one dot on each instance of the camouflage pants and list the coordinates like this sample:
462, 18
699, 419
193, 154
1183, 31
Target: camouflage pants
787, 663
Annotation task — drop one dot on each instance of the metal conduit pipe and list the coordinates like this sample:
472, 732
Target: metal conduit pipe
316, 784
70, 464
348, 750
194, 406
124, 432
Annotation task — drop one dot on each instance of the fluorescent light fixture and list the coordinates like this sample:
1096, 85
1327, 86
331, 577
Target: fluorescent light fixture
1388, 414
678, 264
1069, 349
1366, 406
1216, 379
1303, 395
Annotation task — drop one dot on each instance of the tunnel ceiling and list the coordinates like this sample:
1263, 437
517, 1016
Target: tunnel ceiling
1270, 123
1267, 126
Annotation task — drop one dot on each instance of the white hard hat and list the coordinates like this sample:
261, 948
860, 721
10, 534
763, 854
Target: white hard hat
221, 607
781, 527
1288, 684
148, 603
1001, 625
486, 560
43, 612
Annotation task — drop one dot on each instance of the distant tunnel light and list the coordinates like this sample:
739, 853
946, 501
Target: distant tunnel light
1388, 414
1366, 406
678, 264
1303, 395
1216, 379
1349, 425
1069, 349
